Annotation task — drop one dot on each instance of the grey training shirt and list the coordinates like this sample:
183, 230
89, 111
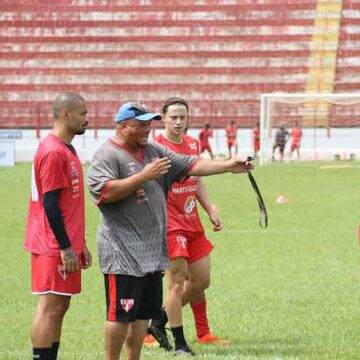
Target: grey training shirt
132, 231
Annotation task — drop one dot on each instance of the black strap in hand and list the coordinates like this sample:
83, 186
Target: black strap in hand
263, 212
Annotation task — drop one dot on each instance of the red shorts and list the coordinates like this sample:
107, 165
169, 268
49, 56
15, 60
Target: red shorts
192, 246
294, 146
204, 147
231, 143
47, 276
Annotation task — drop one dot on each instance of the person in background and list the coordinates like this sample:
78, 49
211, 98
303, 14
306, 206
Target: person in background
204, 136
281, 138
231, 138
55, 233
296, 135
256, 139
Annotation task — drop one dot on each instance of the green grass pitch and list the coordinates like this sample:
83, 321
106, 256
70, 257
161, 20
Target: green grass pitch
290, 291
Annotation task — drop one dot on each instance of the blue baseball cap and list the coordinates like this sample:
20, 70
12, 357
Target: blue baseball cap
135, 110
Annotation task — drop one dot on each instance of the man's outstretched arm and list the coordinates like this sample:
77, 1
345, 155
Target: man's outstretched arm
211, 167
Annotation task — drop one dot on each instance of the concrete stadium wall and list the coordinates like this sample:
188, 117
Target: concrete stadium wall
315, 143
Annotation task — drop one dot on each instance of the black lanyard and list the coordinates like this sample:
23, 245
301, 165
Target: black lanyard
263, 212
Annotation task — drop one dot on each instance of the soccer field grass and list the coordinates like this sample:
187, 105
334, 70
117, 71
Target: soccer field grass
290, 291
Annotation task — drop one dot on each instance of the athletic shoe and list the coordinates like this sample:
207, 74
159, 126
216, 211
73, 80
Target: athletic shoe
185, 350
212, 339
150, 341
160, 336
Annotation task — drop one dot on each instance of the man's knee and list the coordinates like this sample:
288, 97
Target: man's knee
200, 284
204, 283
54, 308
177, 282
177, 279
55, 312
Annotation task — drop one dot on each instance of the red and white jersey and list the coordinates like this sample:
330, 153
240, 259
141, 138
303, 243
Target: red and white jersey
296, 134
231, 132
204, 136
55, 166
182, 213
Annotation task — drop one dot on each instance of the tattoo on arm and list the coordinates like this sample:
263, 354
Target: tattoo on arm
69, 255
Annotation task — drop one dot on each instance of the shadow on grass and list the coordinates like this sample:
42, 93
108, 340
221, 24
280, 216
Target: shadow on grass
256, 349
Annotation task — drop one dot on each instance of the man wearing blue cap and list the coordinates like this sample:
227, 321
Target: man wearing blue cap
129, 178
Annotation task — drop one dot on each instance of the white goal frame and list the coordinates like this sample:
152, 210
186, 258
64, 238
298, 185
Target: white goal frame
266, 101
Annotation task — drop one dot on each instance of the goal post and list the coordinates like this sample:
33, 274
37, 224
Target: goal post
315, 113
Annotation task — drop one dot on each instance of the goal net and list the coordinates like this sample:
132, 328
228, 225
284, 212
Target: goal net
330, 124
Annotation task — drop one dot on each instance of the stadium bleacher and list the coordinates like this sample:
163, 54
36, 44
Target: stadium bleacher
220, 57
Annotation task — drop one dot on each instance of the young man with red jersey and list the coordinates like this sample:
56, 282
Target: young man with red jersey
204, 136
296, 135
55, 234
189, 249
231, 136
256, 139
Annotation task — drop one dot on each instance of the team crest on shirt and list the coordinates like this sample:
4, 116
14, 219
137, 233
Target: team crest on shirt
193, 146
61, 270
131, 167
127, 304
189, 204
181, 241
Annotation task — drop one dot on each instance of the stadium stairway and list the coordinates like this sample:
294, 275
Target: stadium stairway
323, 57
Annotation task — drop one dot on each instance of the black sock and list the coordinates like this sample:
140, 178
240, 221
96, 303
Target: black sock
161, 322
54, 350
42, 353
178, 333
